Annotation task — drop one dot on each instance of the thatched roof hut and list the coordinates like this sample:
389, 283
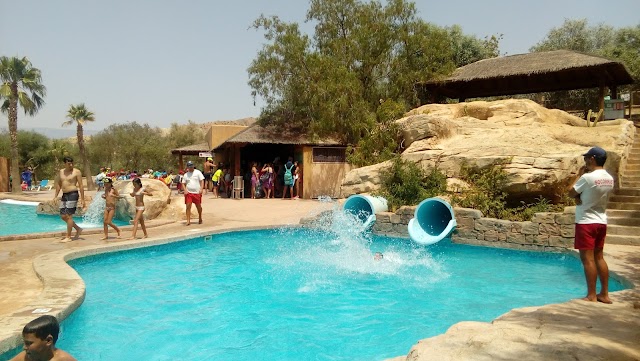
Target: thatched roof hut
527, 73
257, 134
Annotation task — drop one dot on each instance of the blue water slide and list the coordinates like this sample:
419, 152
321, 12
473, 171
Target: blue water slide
365, 207
432, 221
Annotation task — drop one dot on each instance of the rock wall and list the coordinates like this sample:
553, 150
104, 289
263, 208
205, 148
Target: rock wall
539, 148
546, 231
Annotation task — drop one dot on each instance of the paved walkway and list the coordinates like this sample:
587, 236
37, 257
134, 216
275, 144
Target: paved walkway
612, 327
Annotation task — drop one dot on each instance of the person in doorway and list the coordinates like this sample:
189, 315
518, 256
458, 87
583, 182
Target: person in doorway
208, 172
110, 196
591, 192
287, 178
138, 193
217, 179
193, 182
296, 180
39, 337
69, 180
255, 176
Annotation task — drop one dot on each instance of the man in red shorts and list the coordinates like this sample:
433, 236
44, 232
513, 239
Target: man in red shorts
591, 192
193, 182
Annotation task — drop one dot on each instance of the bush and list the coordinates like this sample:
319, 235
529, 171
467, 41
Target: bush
405, 183
486, 195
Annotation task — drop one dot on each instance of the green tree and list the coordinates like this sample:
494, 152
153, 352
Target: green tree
79, 114
602, 40
21, 86
131, 146
360, 55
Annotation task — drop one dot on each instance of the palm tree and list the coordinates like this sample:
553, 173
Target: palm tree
21, 85
80, 114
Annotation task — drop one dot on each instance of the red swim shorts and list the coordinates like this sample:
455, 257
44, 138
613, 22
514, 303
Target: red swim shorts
195, 198
590, 236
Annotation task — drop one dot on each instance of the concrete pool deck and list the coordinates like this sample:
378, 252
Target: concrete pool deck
34, 276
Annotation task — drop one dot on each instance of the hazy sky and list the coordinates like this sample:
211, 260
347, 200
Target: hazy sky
159, 61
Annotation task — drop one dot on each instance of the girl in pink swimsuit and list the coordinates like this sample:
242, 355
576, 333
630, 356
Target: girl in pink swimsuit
110, 196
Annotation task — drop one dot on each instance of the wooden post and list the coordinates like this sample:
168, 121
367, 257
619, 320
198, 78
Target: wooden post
236, 159
631, 104
614, 92
180, 163
601, 97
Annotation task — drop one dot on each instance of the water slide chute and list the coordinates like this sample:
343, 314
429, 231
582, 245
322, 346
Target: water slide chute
365, 207
432, 221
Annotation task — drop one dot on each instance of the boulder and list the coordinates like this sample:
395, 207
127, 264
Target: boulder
539, 148
52, 206
154, 205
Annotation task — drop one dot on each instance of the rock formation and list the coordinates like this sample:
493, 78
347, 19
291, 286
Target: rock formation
539, 148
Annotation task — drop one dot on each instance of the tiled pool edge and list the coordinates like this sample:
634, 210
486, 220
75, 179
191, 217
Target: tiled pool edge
64, 290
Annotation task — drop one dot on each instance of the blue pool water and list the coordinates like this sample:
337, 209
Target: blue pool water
22, 219
295, 294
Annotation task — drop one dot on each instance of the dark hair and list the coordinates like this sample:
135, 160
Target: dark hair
42, 327
67, 159
600, 161
137, 181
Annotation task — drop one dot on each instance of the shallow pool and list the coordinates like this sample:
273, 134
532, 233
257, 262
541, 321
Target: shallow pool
22, 219
296, 294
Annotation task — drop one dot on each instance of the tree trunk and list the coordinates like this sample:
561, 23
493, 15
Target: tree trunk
13, 134
85, 161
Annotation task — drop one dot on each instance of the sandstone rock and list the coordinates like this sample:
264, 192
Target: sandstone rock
52, 207
154, 205
539, 148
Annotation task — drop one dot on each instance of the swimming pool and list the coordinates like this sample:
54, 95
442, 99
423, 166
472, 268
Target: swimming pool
296, 294
21, 218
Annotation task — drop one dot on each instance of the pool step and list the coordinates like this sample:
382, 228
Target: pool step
617, 230
622, 240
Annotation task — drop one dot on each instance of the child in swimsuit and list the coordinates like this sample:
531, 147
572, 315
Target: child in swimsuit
139, 193
110, 195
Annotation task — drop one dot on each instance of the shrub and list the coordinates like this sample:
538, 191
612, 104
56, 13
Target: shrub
405, 183
486, 195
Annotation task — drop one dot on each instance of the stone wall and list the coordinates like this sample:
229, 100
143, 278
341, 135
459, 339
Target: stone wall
546, 231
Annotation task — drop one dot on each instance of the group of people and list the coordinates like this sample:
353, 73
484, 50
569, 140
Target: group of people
105, 172
69, 181
276, 179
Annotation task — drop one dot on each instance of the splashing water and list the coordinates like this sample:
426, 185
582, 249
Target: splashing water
95, 212
347, 247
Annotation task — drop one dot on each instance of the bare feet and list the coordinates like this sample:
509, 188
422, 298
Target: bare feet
604, 299
78, 233
188, 223
118, 235
105, 237
146, 236
65, 240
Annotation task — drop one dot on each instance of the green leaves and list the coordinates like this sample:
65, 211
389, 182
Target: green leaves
332, 82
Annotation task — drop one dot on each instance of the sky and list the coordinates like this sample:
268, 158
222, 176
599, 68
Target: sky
161, 62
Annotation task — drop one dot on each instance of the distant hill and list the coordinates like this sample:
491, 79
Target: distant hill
65, 133
56, 133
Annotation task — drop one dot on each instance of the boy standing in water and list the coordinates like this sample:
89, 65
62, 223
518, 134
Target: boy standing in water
110, 196
69, 180
39, 337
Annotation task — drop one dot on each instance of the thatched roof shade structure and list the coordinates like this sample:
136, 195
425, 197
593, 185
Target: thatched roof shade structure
194, 149
527, 73
257, 134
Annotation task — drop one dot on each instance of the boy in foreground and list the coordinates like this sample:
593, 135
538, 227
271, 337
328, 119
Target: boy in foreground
39, 337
